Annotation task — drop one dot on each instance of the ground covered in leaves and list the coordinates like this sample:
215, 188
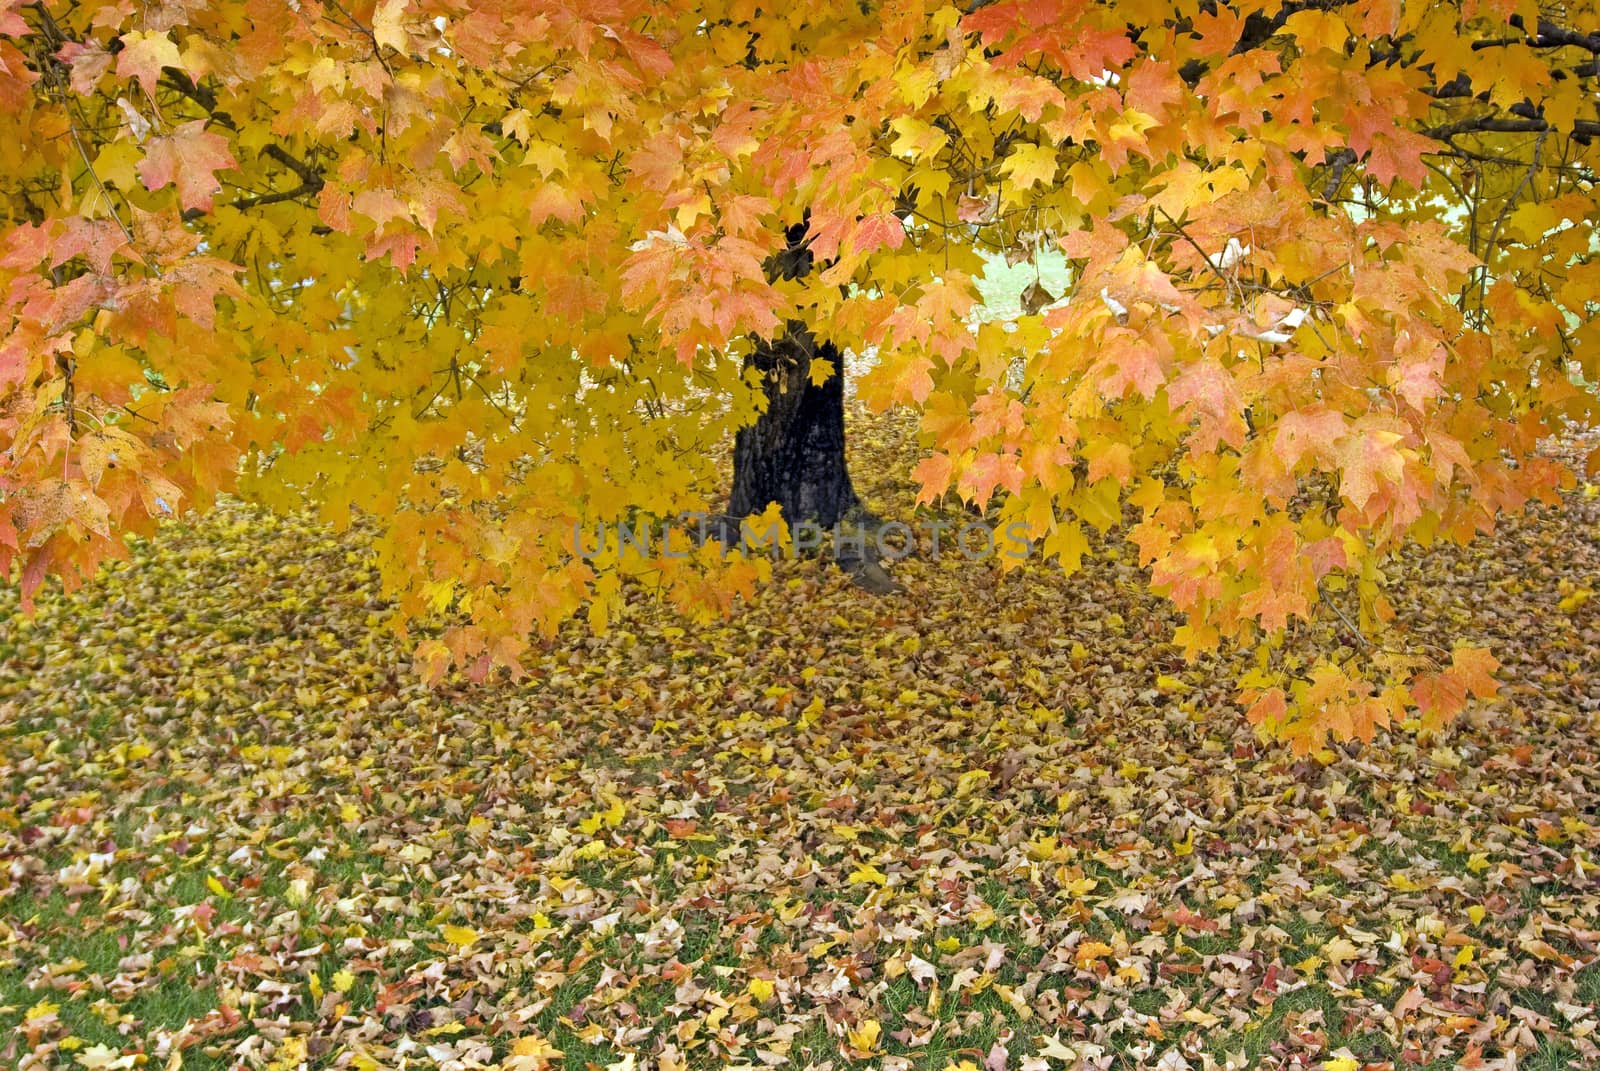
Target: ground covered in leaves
991, 823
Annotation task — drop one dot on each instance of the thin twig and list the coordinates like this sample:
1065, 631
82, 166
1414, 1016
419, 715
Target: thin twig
1494, 233
1348, 624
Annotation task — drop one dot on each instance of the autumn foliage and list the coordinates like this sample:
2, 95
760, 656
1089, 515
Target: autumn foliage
484, 270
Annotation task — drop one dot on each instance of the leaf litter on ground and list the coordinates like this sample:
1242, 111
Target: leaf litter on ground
997, 822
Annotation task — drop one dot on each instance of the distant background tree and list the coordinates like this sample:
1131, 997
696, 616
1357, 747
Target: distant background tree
487, 270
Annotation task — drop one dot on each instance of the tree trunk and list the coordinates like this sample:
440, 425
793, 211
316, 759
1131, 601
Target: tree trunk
794, 454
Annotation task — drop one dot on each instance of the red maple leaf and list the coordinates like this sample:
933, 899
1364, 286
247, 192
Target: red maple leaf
143, 56
190, 157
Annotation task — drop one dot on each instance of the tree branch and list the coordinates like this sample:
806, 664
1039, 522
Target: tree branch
311, 183
1583, 130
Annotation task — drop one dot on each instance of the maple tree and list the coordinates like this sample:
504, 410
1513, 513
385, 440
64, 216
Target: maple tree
489, 271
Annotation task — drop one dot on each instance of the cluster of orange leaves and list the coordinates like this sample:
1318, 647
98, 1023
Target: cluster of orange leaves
489, 270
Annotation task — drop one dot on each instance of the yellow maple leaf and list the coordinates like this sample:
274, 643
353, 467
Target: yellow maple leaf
1340, 950
971, 781
1571, 603
531, 1053
40, 1010
866, 873
1030, 165
863, 1037
1089, 951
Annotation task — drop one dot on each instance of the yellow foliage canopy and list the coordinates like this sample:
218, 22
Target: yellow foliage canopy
488, 270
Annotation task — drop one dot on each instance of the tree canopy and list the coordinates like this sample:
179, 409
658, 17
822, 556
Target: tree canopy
484, 271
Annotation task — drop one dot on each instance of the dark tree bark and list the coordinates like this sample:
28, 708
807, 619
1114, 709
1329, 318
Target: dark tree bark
794, 454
